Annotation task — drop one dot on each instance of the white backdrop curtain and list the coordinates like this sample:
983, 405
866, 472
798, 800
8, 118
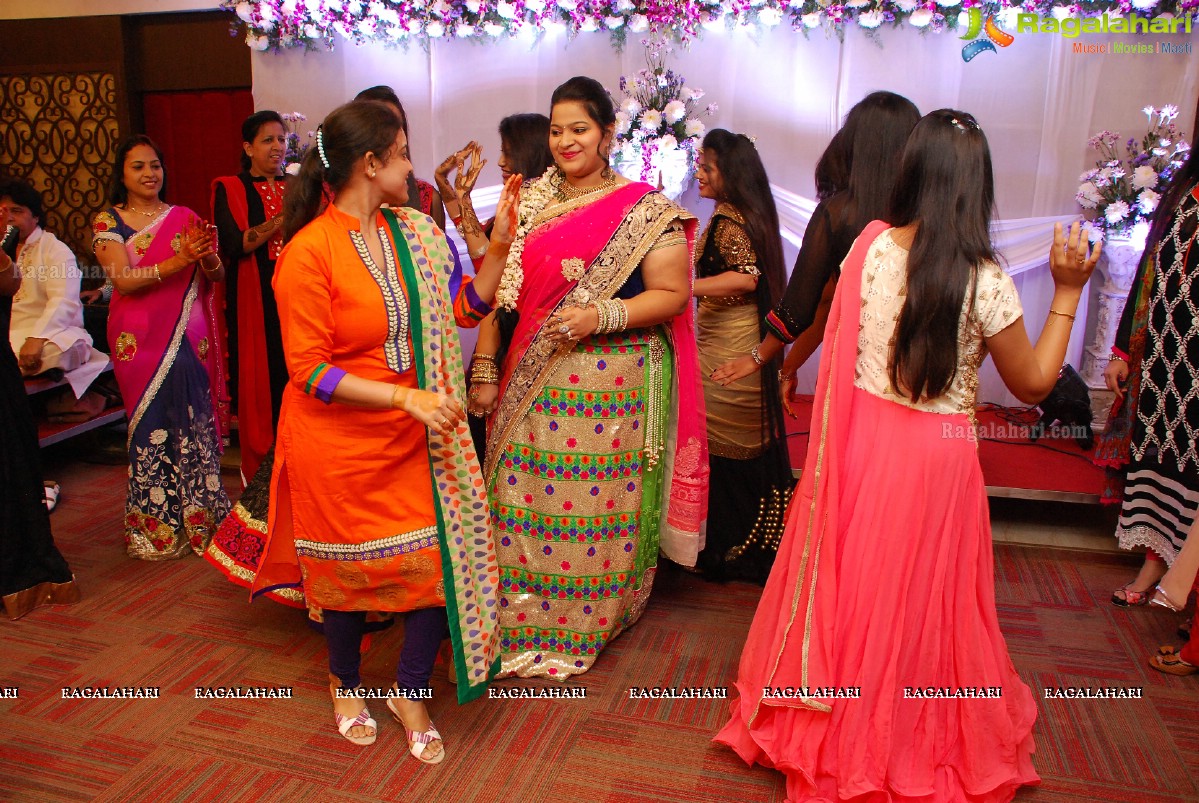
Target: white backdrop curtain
1036, 100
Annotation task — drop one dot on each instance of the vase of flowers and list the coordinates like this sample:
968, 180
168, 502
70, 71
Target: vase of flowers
658, 133
296, 146
1120, 194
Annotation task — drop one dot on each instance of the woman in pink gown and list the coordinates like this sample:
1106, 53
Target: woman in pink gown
875, 669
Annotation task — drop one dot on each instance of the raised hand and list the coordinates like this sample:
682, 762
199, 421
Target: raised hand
468, 174
506, 211
441, 176
1071, 261
198, 241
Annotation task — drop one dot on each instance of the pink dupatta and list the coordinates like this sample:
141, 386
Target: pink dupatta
146, 329
786, 647
611, 235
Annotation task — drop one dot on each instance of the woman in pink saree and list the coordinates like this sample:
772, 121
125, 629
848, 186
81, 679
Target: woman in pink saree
163, 263
596, 455
875, 668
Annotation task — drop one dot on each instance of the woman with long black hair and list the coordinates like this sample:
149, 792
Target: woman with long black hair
739, 279
875, 667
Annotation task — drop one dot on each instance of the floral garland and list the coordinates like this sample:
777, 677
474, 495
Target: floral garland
282, 24
1124, 190
534, 197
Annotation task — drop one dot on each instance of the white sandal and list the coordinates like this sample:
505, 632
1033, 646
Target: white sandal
51, 492
418, 740
344, 724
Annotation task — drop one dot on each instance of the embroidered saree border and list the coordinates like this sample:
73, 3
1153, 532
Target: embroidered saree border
168, 360
648, 218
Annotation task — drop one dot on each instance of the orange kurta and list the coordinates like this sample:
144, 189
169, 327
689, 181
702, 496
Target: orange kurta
352, 506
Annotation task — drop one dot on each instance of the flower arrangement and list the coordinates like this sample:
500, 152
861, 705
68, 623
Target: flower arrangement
296, 148
283, 24
1123, 191
656, 124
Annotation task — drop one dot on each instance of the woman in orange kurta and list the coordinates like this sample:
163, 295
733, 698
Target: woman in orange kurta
377, 501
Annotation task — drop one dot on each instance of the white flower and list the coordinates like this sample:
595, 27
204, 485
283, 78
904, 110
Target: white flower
568, 5
157, 495
811, 20
631, 107
857, 3
1169, 112
493, 28
948, 3
292, 169
266, 12
1088, 196
1060, 13
675, 110
1147, 201
435, 30
1094, 234
667, 142
694, 128
870, 19
771, 16
711, 109
473, 6
288, 7
506, 10
622, 123
589, 24
310, 31
1116, 212
921, 17
638, 23
613, 22
1149, 111
244, 11
536, 6
1144, 5
906, 6
625, 5
651, 120
464, 31
1144, 177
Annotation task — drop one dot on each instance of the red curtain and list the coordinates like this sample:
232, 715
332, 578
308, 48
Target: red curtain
200, 137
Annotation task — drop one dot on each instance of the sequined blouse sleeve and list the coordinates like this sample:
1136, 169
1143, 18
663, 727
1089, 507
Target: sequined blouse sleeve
106, 226
673, 235
997, 303
735, 247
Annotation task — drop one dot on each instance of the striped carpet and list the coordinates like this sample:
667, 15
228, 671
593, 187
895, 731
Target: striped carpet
179, 625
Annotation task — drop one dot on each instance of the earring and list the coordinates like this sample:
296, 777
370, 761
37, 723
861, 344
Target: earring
371, 174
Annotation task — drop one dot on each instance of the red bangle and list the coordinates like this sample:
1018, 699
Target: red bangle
1119, 353
455, 220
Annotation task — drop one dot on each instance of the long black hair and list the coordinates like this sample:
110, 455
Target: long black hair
1180, 183
745, 186
526, 138
346, 135
252, 125
117, 192
946, 187
874, 134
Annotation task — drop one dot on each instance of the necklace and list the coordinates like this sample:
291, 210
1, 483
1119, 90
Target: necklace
568, 192
151, 215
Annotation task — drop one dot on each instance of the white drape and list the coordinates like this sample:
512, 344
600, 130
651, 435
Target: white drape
1037, 101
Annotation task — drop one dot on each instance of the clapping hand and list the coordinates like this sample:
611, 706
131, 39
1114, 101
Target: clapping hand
198, 241
506, 210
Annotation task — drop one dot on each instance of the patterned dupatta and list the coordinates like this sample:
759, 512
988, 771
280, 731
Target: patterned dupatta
468, 557
782, 640
610, 235
144, 346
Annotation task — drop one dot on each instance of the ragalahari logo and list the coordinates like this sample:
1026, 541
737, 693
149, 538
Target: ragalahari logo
995, 35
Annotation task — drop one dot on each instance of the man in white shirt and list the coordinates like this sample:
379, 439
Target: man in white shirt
47, 318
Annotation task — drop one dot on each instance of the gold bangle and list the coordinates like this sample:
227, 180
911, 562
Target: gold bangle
1117, 358
1052, 311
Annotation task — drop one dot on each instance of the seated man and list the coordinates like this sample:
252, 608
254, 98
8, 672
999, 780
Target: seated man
47, 319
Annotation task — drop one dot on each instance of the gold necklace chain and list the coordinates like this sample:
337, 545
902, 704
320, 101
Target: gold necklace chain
151, 215
568, 192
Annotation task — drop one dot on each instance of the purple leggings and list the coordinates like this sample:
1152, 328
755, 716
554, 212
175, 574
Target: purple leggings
423, 632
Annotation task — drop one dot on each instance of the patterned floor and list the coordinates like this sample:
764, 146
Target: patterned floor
180, 625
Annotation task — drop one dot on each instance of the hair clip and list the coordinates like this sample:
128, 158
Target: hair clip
963, 124
752, 139
320, 147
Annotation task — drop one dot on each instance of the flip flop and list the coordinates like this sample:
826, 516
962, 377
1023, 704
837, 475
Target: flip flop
1169, 661
50, 499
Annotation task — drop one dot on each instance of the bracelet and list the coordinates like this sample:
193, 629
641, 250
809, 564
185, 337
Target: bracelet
1117, 358
613, 316
395, 393
210, 271
786, 375
484, 372
482, 252
757, 357
1052, 311
456, 220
